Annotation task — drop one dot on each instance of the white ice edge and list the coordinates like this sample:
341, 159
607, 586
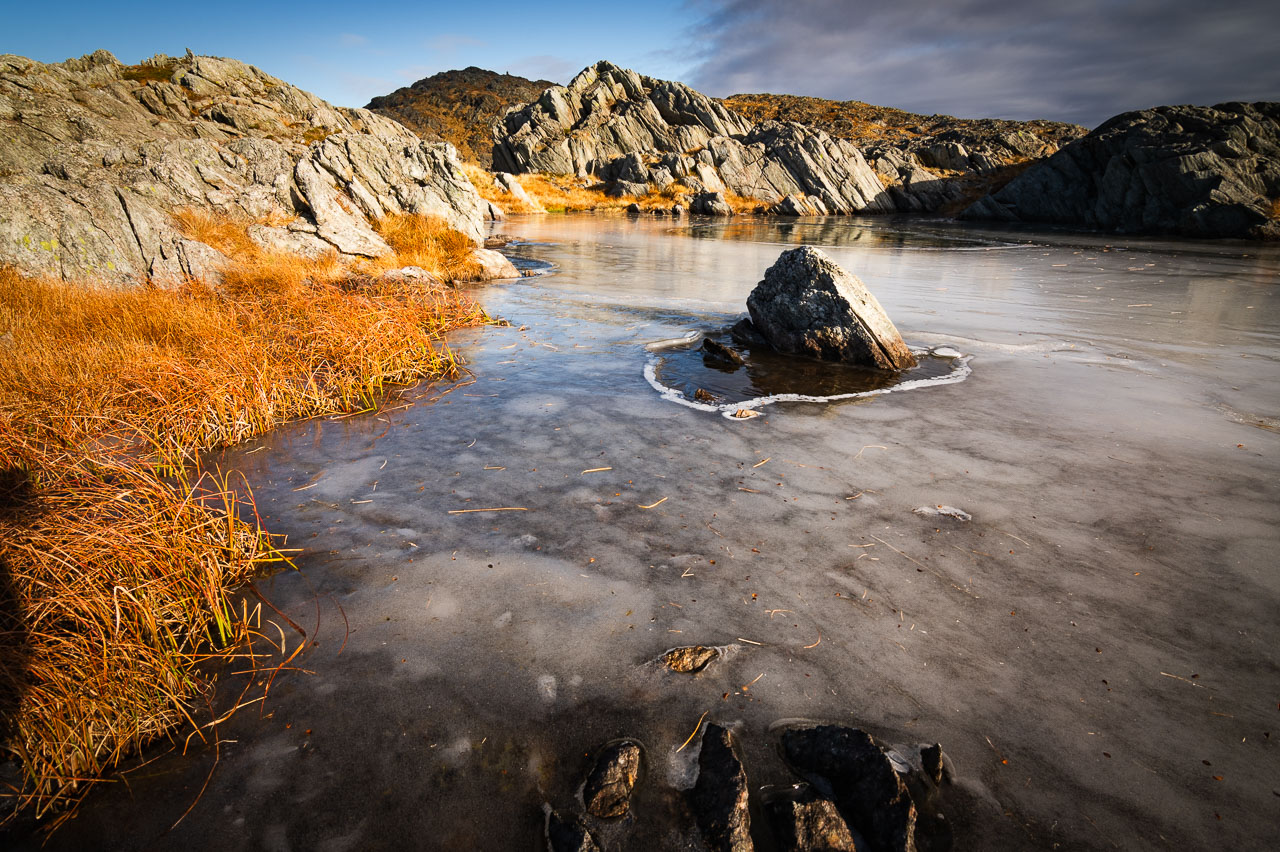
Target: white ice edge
959, 373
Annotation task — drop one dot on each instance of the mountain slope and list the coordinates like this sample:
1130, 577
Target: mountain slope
459, 107
99, 157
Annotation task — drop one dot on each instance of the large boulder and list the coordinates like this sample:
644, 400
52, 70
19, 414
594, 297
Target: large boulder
807, 305
98, 156
1188, 170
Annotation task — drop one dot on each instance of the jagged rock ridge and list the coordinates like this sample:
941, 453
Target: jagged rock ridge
99, 155
1188, 170
459, 107
983, 143
636, 131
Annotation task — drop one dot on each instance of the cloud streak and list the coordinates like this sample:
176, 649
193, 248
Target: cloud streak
1077, 60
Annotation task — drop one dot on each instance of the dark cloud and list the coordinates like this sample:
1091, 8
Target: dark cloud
1074, 60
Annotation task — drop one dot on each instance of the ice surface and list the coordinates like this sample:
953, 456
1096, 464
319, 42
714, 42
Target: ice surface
1103, 627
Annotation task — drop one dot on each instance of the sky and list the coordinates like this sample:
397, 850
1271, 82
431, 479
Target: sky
1070, 60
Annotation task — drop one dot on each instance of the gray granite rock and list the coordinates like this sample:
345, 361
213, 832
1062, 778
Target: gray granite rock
1188, 170
605, 113
494, 264
807, 305
622, 127
98, 157
710, 204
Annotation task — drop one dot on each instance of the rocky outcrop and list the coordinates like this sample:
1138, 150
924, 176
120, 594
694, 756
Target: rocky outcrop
605, 113
937, 140
98, 156
807, 305
635, 131
1187, 170
459, 107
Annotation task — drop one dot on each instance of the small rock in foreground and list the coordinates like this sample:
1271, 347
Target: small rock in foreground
607, 792
719, 796
808, 305
861, 779
567, 833
494, 264
807, 822
690, 659
717, 351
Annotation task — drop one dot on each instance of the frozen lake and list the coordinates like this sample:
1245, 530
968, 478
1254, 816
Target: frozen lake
1096, 649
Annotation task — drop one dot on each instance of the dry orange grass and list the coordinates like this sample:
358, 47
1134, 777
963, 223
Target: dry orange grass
567, 194
114, 574
482, 179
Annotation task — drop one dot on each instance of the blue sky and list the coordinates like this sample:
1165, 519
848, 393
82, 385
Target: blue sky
1071, 60
349, 52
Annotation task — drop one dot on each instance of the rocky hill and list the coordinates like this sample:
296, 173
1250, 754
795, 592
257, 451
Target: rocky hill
989, 141
640, 133
98, 156
459, 107
1188, 170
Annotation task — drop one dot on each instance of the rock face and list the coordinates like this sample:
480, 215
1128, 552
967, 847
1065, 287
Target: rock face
941, 141
847, 765
807, 305
1192, 171
719, 796
623, 127
99, 155
607, 791
459, 107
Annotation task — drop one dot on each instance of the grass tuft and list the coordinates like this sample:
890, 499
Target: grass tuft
117, 553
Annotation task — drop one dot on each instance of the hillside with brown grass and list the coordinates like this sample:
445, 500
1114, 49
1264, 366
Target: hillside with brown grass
459, 107
867, 124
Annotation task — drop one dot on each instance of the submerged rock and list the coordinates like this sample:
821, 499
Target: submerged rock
719, 797
567, 833
847, 765
716, 351
692, 658
607, 791
807, 822
808, 305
